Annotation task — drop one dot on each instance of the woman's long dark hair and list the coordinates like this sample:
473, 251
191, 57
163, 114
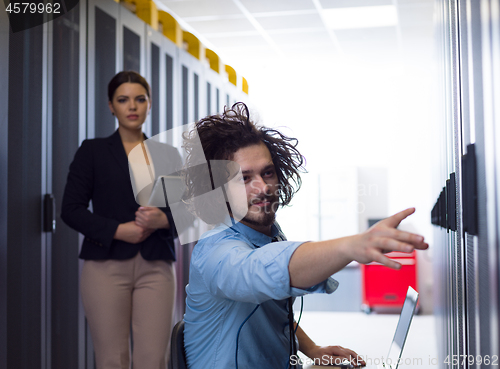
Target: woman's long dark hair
222, 135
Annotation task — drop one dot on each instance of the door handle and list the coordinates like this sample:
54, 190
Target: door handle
49, 213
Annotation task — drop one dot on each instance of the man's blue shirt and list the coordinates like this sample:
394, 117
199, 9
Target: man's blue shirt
234, 270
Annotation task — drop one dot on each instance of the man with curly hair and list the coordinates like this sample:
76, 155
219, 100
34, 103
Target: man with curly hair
244, 275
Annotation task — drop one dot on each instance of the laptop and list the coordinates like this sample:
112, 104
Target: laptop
391, 361
167, 190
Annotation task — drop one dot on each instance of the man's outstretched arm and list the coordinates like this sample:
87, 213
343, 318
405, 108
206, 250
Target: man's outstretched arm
313, 262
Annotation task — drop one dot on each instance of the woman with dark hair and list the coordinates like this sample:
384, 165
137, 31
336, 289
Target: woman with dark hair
128, 280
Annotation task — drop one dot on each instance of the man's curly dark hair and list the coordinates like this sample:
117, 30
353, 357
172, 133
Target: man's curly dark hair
222, 135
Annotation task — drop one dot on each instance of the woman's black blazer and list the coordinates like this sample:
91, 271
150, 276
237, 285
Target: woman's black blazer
100, 172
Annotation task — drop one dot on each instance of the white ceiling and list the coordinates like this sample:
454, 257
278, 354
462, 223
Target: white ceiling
243, 31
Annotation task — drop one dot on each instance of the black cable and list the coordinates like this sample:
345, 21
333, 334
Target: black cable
300, 315
289, 363
293, 344
238, 335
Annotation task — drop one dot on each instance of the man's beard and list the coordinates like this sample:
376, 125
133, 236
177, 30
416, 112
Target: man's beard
266, 216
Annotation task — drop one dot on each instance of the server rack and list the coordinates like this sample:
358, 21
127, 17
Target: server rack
155, 73
466, 213
57, 78
213, 91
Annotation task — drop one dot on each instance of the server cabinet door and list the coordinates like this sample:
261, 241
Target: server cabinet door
66, 129
155, 75
213, 83
102, 64
170, 86
44, 69
132, 35
231, 94
25, 248
4, 106
190, 76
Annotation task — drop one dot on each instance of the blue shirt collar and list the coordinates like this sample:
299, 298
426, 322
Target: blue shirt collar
255, 237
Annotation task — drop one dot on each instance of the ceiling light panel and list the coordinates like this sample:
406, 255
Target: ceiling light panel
213, 17
304, 38
310, 52
354, 3
256, 6
244, 51
415, 15
227, 34
238, 39
293, 21
368, 35
415, 2
222, 26
361, 17
411, 33
199, 8
375, 41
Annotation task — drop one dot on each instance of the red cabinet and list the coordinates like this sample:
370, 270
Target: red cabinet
385, 288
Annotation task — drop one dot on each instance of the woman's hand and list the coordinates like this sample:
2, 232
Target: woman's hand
132, 233
151, 217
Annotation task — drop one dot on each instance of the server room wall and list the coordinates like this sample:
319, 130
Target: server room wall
54, 78
466, 175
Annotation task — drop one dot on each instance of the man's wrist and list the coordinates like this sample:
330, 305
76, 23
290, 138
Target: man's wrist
311, 351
